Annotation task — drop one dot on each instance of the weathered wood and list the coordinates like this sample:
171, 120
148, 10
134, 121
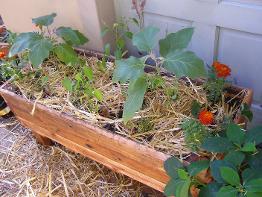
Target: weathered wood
114, 151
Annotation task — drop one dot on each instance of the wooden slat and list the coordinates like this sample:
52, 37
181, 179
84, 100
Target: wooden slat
116, 152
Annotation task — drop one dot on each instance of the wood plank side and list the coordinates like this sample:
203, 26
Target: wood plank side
114, 165
132, 159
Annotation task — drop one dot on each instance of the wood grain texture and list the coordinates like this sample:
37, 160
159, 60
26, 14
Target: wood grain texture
114, 151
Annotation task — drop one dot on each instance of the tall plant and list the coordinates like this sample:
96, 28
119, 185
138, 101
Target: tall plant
173, 57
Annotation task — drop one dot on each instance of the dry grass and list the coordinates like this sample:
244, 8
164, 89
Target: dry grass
29, 169
157, 125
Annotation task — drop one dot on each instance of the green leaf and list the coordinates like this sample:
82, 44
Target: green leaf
23, 42
249, 174
182, 188
88, 72
217, 145
210, 190
44, 20
120, 43
70, 36
129, 34
98, 94
235, 133
178, 188
198, 166
252, 194
235, 157
195, 109
135, 98
170, 188
249, 147
107, 49
245, 111
66, 53
215, 169
171, 165
40, 51
227, 191
184, 63
146, 40
128, 69
68, 84
135, 21
175, 41
230, 176
254, 185
254, 135
255, 161
182, 174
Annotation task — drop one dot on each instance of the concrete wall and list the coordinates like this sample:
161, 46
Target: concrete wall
88, 16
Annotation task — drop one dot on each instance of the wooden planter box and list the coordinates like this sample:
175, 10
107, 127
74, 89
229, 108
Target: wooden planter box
114, 151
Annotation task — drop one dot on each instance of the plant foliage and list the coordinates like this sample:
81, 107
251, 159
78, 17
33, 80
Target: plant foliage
174, 58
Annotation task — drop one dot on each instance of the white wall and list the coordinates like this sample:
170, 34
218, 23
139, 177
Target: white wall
85, 15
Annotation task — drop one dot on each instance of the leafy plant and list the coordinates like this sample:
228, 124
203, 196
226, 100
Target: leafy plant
174, 58
39, 45
237, 174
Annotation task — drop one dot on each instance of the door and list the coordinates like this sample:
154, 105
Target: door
226, 30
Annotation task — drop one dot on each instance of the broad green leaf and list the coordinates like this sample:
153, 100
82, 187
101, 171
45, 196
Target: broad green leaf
178, 188
175, 41
249, 174
254, 135
98, 94
182, 188
235, 133
249, 147
217, 145
254, 194
39, 51
170, 188
215, 169
255, 161
171, 165
198, 166
120, 43
182, 174
235, 157
44, 20
135, 98
245, 111
210, 190
230, 176
227, 191
88, 72
66, 53
184, 63
70, 36
254, 185
146, 39
68, 84
128, 69
23, 42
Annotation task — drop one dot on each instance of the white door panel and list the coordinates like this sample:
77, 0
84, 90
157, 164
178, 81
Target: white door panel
227, 30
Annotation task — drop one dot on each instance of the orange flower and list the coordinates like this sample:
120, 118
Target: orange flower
206, 117
221, 70
2, 54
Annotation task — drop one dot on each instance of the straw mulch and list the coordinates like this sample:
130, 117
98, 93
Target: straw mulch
29, 169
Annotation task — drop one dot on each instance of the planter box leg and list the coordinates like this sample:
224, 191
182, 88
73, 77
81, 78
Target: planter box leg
42, 140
